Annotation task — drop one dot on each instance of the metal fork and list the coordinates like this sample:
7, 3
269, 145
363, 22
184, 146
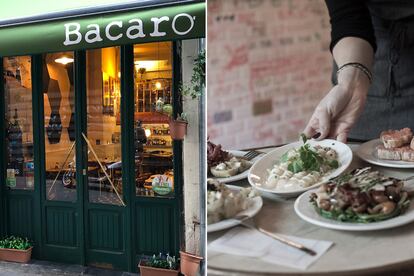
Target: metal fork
252, 154
243, 221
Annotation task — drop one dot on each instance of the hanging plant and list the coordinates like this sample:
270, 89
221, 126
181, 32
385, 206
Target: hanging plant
178, 127
198, 78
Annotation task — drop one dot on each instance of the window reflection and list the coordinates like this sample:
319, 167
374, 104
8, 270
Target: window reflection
103, 135
19, 123
153, 144
59, 122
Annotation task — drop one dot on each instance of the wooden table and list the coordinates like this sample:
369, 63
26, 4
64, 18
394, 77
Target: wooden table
353, 253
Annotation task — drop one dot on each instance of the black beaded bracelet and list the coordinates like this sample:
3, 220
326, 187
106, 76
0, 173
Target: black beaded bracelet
358, 65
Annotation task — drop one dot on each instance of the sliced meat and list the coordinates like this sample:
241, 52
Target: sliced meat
404, 153
396, 138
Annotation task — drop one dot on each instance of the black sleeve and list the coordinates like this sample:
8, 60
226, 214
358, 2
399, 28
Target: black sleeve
350, 18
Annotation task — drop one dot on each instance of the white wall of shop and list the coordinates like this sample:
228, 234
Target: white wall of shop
191, 155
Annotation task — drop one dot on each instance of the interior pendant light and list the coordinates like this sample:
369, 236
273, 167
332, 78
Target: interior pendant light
64, 60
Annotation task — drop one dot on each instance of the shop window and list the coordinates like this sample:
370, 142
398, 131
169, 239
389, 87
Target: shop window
59, 126
19, 123
103, 135
153, 144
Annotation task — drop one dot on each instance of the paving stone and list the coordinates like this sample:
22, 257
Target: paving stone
44, 268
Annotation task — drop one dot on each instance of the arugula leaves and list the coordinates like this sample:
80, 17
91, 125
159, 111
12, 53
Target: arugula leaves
307, 159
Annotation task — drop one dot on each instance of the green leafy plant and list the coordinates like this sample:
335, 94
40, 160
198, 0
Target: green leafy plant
162, 261
198, 78
307, 159
182, 117
13, 242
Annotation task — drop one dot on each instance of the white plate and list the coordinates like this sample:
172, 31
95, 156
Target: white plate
367, 152
305, 210
239, 176
255, 205
258, 172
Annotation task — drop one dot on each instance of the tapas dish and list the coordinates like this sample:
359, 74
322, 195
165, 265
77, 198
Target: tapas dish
224, 202
361, 200
394, 148
227, 166
294, 168
363, 195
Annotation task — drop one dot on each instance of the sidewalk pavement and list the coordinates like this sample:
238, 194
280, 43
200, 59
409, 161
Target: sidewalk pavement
45, 268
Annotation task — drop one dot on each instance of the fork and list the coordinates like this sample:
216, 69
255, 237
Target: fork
243, 221
252, 154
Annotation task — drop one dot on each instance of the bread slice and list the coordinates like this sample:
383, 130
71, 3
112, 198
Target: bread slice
398, 154
412, 144
396, 138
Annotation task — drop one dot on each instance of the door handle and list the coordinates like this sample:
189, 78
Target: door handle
84, 172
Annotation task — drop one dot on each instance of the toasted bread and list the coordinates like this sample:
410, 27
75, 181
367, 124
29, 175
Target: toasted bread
396, 138
398, 154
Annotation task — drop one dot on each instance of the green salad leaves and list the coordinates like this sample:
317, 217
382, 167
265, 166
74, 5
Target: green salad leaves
307, 159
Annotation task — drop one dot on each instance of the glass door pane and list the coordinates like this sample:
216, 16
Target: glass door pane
103, 135
19, 123
153, 98
59, 121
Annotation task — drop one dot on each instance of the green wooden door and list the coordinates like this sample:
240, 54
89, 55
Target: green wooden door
87, 204
83, 209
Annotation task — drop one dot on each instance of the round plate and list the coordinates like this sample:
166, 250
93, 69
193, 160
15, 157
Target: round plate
255, 205
258, 172
367, 152
239, 176
305, 210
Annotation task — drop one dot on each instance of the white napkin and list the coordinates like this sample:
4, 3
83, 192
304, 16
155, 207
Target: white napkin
251, 243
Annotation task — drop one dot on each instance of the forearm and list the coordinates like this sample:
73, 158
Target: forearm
353, 49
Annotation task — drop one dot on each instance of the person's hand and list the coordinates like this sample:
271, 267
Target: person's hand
338, 111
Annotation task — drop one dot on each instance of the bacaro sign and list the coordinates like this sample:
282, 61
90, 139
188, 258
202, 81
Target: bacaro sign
168, 23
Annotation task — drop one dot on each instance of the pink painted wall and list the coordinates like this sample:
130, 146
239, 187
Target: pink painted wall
268, 66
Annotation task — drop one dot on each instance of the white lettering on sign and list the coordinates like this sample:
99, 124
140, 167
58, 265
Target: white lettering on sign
157, 22
108, 28
93, 32
132, 29
139, 28
69, 32
175, 20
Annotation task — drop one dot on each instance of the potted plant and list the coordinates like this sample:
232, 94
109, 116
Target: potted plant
178, 127
190, 263
15, 249
161, 265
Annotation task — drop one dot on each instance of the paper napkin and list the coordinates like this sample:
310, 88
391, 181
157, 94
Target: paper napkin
251, 243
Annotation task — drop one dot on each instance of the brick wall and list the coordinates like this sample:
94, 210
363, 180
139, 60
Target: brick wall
268, 66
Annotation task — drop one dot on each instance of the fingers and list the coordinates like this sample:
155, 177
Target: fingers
324, 123
319, 125
309, 130
342, 137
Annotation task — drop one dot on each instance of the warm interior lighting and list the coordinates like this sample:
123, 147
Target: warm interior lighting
158, 85
147, 132
64, 60
151, 65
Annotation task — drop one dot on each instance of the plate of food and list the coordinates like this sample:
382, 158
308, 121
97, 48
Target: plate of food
225, 202
227, 166
297, 167
394, 149
361, 200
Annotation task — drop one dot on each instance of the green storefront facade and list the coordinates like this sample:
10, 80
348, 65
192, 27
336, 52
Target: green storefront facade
76, 91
